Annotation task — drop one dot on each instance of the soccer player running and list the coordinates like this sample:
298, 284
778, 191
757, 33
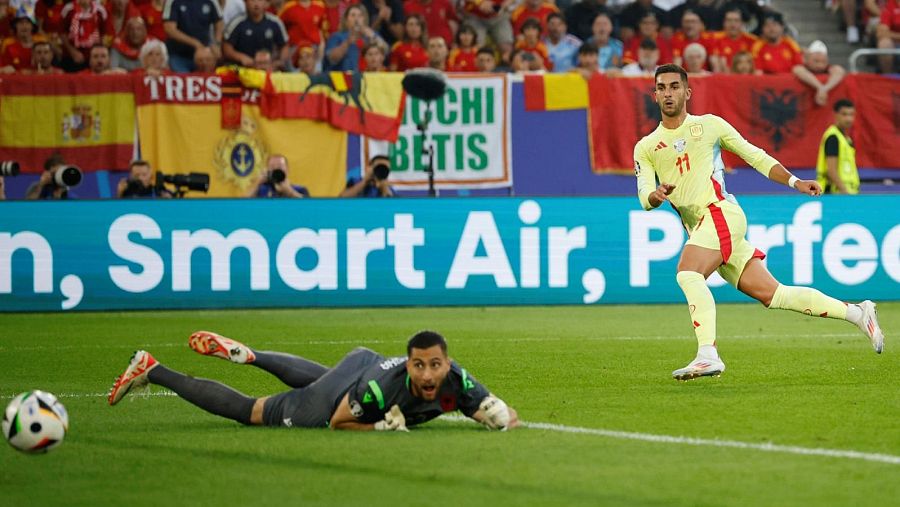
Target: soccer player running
364, 391
684, 155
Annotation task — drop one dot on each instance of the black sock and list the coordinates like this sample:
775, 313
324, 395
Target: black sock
209, 395
292, 370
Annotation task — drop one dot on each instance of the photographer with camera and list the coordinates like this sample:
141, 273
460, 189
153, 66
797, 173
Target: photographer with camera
140, 184
374, 183
56, 180
274, 181
7, 168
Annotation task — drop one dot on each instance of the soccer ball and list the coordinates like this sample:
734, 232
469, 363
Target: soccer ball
35, 422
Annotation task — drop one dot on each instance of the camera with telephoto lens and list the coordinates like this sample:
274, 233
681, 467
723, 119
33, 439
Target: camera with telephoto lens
9, 168
381, 171
67, 176
136, 188
275, 177
198, 182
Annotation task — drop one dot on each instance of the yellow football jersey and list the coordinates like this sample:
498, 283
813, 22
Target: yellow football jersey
690, 157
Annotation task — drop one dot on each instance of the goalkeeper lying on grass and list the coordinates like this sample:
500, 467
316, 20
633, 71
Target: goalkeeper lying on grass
364, 391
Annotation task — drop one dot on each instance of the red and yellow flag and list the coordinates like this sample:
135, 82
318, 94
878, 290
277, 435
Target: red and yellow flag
180, 125
369, 104
89, 120
555, 92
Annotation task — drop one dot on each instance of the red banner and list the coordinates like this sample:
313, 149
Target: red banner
776, 113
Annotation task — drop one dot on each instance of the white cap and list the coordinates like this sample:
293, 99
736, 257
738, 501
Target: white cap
818, 46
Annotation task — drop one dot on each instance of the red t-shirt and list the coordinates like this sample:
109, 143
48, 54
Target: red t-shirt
154, 20
777, 58
332, 20
890, 15
539, 50
707, 40
727, 47
50, 17
437, 14
15, 54
522, 13
130, 12
462, 60
631, 50
408, 55
304, 24
471, 6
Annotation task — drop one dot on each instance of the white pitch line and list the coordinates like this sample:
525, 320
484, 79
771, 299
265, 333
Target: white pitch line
734, 444
889, 459
479, 340
98, 395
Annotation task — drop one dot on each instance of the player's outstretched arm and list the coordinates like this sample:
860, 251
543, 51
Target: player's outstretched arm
343, 419
495, 414
781, 175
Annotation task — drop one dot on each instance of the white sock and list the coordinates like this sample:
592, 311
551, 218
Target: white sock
854, 313
708, 352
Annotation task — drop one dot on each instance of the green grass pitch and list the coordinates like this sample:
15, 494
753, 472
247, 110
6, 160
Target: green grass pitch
791, 380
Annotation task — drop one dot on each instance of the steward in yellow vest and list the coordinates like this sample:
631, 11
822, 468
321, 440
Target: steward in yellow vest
836, 164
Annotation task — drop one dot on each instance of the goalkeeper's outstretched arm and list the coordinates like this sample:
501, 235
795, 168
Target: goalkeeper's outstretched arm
495, 414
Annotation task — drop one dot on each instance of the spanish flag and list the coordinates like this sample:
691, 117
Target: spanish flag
555, 92
89, 120
180, 127
369, 104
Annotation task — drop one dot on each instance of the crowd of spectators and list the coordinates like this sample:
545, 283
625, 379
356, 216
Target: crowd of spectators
628, 37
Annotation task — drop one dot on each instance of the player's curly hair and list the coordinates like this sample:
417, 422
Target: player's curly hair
426, 340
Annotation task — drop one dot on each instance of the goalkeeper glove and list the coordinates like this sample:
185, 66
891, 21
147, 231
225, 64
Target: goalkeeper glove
393, 421
496, 413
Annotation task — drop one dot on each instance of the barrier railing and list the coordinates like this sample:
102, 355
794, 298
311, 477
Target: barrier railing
859, 53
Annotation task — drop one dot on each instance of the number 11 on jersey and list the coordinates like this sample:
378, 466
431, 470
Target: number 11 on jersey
683, 164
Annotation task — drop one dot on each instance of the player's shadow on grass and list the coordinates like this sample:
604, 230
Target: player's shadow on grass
414, 477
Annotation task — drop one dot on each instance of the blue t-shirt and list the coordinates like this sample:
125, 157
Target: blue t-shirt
193, 17
248, 36
605, 54
350, 61
266, 190
563, 54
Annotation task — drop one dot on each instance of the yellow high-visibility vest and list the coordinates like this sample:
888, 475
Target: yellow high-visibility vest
846, 160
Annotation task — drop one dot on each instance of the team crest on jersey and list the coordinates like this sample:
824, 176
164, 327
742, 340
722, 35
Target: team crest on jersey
356, 409
206, 9
696, 130
269, 33
448, 403
240, 157
680, 145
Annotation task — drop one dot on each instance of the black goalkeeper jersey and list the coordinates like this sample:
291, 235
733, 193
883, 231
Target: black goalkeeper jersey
385, 384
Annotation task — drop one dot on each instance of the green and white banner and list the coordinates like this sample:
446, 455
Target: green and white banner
469, 131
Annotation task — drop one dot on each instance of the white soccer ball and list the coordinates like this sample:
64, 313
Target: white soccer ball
35, 422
